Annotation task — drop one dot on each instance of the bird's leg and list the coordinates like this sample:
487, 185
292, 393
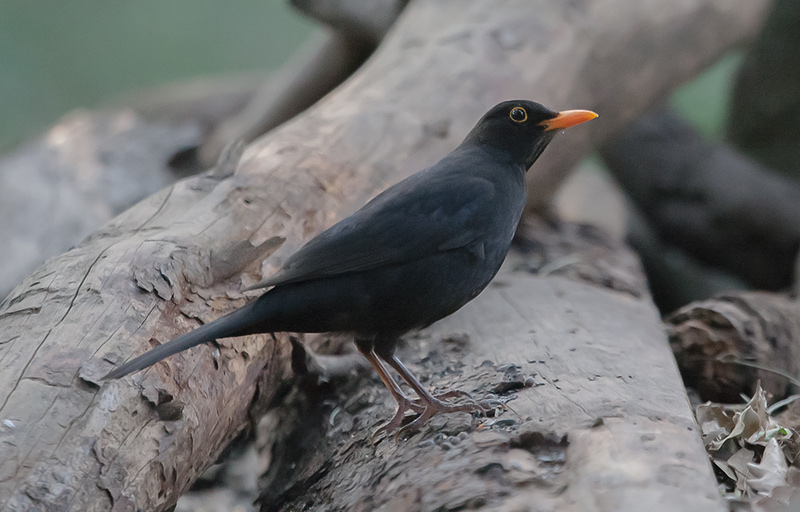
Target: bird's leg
403, 402
434, 404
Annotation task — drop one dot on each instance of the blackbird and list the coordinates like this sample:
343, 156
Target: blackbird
414, 254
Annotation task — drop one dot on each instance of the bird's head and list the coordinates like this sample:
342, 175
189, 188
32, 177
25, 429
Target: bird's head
521, 129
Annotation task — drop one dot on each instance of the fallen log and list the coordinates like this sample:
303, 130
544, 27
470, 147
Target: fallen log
599, 420
319, 66
147, 140
675, 277
177, 258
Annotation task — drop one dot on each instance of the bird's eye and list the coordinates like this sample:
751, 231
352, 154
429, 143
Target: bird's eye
518, 115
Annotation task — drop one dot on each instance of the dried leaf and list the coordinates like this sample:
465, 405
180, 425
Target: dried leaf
725, 468
738, 462
771, 484
783, 499
750, 423
771, 472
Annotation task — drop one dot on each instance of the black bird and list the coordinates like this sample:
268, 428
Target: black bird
412, 255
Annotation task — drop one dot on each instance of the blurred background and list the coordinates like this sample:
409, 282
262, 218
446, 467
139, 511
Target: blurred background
85, 54
58, 56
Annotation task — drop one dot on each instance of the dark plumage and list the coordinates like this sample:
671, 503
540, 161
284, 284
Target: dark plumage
414, 254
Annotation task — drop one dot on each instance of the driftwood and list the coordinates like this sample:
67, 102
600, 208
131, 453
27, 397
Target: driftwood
709, 200
599, 419
178, 257
60, 187
714, 341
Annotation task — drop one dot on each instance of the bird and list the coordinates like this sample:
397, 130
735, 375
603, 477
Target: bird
414, 254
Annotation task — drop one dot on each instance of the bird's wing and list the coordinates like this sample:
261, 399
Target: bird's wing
419, 216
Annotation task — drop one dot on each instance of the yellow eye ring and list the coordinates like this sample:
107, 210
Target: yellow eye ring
518, 115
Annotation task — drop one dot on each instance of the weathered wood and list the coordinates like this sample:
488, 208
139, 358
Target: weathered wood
177, 257
61, 186
708, 199
711, 337
58, 188
600, 421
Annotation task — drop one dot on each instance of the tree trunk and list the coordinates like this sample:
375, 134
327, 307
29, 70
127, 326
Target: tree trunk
178, 257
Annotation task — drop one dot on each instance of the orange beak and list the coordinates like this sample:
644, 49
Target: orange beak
567, 118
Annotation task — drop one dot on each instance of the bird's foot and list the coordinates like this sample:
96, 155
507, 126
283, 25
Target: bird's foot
435, 405
404, 404
429, 406
461, 399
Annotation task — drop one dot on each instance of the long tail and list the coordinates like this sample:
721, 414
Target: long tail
235, 323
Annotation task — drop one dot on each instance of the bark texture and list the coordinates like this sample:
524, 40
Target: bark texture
177, 258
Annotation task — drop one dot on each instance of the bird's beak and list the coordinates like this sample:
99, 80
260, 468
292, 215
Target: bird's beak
567, 118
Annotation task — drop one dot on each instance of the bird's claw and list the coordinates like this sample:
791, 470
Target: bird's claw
403, 405
428, 406
438, 406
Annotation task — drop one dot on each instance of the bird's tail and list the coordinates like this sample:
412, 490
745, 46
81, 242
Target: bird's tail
235, 323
